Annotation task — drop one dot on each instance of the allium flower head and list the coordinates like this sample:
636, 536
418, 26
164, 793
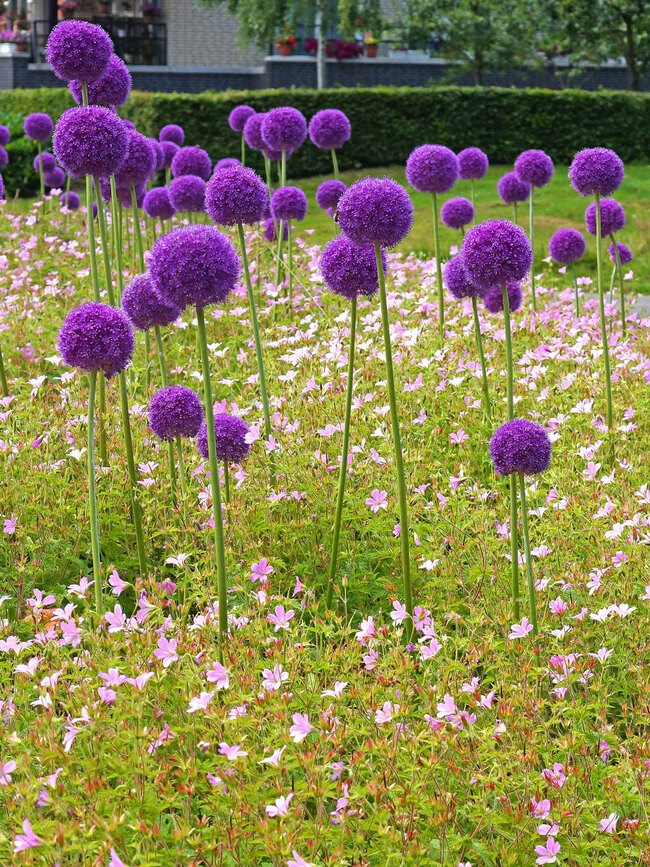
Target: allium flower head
329, 193
596, 170
226, 163
457, 212
144, 307
457, 281
520, 446
253, 131
493, 299
512, 189
230, 436
70, 200
90, 141
4, 158
534, 167
432, 169
194, 265
159, 155
284, 128
192, 161
157, 204
169, 150
472, 164
139, 163
269, 232
236, 195
175, 411
96, 337
55, 178
172, 133
567, 246
187, 194
376, 210
110, 89
38, 126
624, 253
78, 50
612, 217
5, 135
495, 252
289, 203
349, 269
238, 117
46, 160
329, 129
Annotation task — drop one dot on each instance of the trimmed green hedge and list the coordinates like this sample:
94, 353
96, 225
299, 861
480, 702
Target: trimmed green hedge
387, 123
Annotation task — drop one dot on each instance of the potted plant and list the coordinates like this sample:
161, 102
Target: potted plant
149, 12
286, 43
372, 45
20, 40
67, 9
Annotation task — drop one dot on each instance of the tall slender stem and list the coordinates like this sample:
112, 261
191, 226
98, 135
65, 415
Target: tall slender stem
509, 362
181, 466
243, 150
575, 290
101, 219
335, 164
603, 322
479, 345
619, 268
94, 279
226, 482
283, 168
514, 211
163, 378
529, 563
436, 244
92, 493
531, 235
280, 234
344, 457
399, 459
136, 508
514, 529
290, 266
3, 375
472, 197
40, 173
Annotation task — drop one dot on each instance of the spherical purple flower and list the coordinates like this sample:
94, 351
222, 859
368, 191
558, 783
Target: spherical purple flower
158, 154
70, 200
376, 210
512, 189
495, 252
253, 131
194, 265
79, 50
289, 203
493, 299
38, 126
472, 164
520, 446
238, 117
274, 156
187, 194
144, 307
457, 212
624, 253
236, 195
5, 135
124, 195
226, 163
90, 141
169, 150
96, 337
329, 129
457, 281
139, 163
172, 133
432, 169
230, 438
4, 158
329, 193
349, 269
128, 123
534, 167
175, 411
567, 246
157, 204
284, 128
192, 161
46, 160
55, 178
111, 89
596, 171
612, 217
269, 232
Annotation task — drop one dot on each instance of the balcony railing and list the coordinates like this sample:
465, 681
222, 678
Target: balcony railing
137, 42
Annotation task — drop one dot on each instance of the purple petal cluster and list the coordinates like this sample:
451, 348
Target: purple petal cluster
169, 150
329, 129
238, 117
348, 269
457, 281
5, 135
78, 50
376, 210
187, 194
329, 193
230, 437
567, 246
226, 163
175, 411
284, 128
289, 203
236, 195
596, 171
432, 169
157, 204
38, 126
457, 212
269, 233
493, 299
472, 164
624, 253
55, 178
512, 189
110, 89
70, 200
96, 337
520, 446
159, 155
612, 217
192, 161
90, 141
139, 163
144, 307
172, 133
4, 158
495, 252
46, 160
253, 132
534, 167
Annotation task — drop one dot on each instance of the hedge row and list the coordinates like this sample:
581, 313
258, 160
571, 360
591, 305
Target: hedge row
387, 123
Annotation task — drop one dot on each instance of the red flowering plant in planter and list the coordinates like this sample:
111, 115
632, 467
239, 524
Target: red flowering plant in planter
339, 49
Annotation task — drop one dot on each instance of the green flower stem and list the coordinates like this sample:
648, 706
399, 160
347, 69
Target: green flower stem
283, 168
479, 345
290, 266
3, 375
94, 279
514, 211
116, 212
509, 362
101, 219
399, 459
280, 234
243, 150
514, 530
181, 466
67, 190
611, 288
472, 197
137, 231
335, 164
163, 378
40, 174
436, 244
92, 493
603, 322
529, 563
214, 479
168, 176
344, 457
619, 268
531, 235
575, 290
226, 482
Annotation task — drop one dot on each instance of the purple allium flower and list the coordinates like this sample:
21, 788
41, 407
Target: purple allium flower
144, 307
612, 217
534, 167
567, 246
472, 164
158, 154
512, 189
175, 411
46, 160
624, 253
192, 161
5, 135
78, 50
329, 129
158, 204
90, 141
457, 212
4, 158
169, 150
289, 203
432, 169
172, 133
269, 230
226, 163
139, 163
520, 446
236, 195
349, 269
457, 281
238, 117
111, 89
230, 437
194, 265
495, 252
596, 170
187, 194
128, 123
124, 195
96, 337
329, 193
273, 155
493, 299
284, 128
376, 210
38, 126
70, 200
253, 131
54, 179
